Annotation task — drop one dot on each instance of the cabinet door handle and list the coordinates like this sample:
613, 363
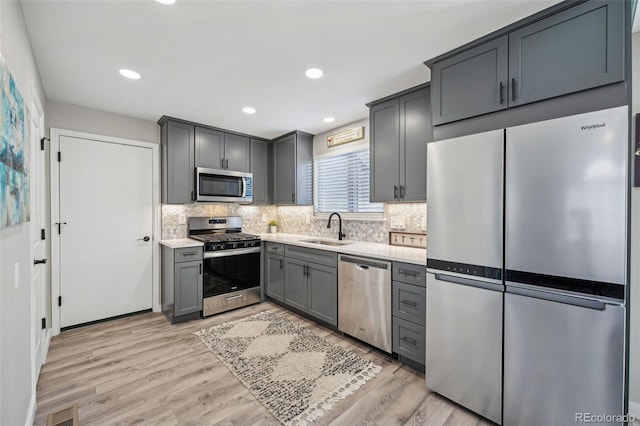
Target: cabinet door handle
226, 163
222, 163
501, 93
280, 263
395, 192
192, 198
409, 303
409, 340
513, 89
293, 197
201, 269
401, 191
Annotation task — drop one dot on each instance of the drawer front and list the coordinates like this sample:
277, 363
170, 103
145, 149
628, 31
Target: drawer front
409, 302
188, 254
275, 248
322, 257
410, 273
409, 340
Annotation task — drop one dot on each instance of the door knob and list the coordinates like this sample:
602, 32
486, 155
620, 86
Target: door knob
39, 261
146, 238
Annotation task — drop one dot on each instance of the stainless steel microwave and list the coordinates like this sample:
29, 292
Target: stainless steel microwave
223, 186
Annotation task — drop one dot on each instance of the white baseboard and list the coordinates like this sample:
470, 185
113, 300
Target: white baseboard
45, 346
634, 409
31, 413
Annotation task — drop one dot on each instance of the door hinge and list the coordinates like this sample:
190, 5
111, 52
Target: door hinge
43, 235
42, 142
59, 300
59, 156
44, 323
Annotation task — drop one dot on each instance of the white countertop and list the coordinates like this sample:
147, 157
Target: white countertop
181, 243
382, 251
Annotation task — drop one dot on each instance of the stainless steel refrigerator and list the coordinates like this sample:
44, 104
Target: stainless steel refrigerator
558, 296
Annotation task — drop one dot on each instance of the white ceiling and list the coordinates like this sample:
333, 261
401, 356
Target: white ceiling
205, 60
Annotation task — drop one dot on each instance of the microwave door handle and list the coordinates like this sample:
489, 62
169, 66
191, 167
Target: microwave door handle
244, 188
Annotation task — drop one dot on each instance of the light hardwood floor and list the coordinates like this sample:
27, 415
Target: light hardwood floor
143, 370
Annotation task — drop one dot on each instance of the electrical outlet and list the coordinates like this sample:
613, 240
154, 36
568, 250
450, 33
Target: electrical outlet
16, 275
264, 217
423, 223
397, 222
182, 219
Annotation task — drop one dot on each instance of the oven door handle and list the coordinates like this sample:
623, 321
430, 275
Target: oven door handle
233, 252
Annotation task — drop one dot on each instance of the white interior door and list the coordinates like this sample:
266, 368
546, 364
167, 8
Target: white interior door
106, 211
38, 244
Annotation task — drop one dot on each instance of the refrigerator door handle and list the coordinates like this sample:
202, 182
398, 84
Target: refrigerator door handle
560, 298
469, 282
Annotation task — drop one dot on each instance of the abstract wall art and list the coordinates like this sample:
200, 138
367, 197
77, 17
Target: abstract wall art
14, 152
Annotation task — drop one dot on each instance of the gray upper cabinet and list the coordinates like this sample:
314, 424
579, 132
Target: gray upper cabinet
237, 152
260, 171
384, 121
292, 166
187, 145
471, 83
209, 148
400, 130
573, 50
220, 150
177, 162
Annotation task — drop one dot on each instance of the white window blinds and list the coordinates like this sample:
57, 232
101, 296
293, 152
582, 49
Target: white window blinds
343, 184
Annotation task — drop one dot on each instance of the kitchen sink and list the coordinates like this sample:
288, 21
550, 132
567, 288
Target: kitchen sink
326, 243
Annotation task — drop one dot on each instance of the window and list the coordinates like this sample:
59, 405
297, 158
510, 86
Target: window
342, 184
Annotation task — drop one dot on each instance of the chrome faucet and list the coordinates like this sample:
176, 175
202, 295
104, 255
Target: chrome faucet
340, 234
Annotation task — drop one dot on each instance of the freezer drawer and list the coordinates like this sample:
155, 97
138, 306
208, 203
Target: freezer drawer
464, 342
561, 359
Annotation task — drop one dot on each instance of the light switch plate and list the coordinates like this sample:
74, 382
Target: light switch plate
423, 223
182, 219
397, 222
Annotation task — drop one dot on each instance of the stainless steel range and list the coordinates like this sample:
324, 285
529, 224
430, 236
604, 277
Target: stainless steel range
231, 263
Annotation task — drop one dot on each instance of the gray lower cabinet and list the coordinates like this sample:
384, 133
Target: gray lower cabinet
309, 286
409, 311
181, 283
292, 169
572, 49
400, 130
260, 171
275, 276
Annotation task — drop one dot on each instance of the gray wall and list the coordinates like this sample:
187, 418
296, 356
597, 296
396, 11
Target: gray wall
72, 117
16, 393
634, 348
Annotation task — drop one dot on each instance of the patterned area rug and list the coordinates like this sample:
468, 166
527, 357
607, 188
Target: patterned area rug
295, 374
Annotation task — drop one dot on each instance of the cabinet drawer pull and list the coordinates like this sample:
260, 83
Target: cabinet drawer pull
408, 273
238, 296
513, 89
409, 303
501, 93
409, 340
191, 253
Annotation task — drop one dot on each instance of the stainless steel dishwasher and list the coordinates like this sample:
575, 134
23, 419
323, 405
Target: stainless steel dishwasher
364, 300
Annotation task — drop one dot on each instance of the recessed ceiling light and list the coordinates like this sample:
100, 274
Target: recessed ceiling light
313, 72
166, 1
328, 119
249, 110
129, 74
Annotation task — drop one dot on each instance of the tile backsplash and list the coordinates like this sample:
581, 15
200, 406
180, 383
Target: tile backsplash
299, 220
